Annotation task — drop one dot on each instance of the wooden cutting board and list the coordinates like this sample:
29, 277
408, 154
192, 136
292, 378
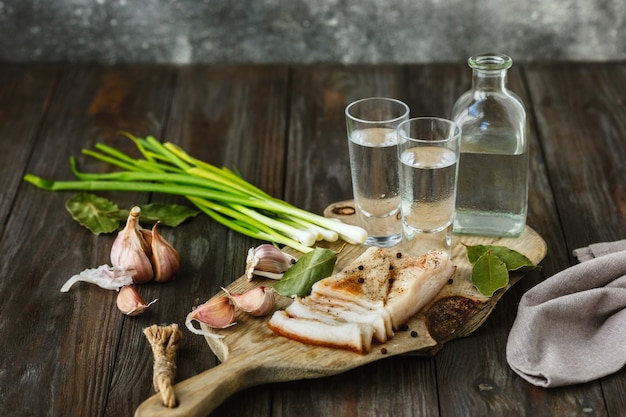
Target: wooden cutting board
251, 354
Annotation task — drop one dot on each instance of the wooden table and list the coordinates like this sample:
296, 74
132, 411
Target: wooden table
283, 128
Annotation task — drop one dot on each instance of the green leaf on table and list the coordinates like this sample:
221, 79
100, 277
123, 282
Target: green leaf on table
103, 216
95, 213
489, 273
514, 260
170, 215
310, 268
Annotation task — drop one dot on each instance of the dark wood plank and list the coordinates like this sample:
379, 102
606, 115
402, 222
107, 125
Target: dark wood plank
62, 351
235, 117
582, 119
24, 94
580, 115
284, 130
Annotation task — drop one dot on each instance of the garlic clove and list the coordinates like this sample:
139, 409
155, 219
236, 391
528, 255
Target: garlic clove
130, 302
257, 302
165, 259
268, 261
217, 313
130, 249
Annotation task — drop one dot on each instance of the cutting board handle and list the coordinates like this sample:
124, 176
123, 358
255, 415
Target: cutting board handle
201, 394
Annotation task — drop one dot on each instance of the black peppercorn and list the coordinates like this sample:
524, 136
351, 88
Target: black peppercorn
413, 333
361, 280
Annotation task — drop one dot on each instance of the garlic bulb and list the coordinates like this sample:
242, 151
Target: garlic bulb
257, 302
130, 302
165, 259
268, 261
217, 313
130, 249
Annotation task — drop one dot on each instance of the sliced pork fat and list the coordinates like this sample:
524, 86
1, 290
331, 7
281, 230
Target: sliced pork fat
334, 313
369, 299
350, 336
365, 281
415, 282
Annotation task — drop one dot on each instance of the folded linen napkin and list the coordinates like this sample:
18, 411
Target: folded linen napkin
571, 328
596, 250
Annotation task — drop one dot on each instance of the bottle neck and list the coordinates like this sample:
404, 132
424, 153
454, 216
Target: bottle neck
489, 80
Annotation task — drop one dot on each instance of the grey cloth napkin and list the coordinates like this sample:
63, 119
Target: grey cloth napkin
596, 250
571, 328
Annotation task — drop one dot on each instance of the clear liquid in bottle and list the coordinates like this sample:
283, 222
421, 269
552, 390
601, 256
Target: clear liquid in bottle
492, 190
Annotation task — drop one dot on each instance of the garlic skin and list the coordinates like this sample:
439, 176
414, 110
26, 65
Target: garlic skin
104, 276
217, 313
165, 259
130, 302
130, 249
268, 261
257, 302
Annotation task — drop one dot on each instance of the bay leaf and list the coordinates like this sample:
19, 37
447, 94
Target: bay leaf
514, 260
489, 273
95, 213
310, 268
170, 215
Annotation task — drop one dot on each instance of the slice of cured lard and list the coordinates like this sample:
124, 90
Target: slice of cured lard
364, 282
326, 310
343, 335
415, 282
368, 299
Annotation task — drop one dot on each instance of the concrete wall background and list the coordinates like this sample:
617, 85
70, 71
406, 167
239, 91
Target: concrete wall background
309, 31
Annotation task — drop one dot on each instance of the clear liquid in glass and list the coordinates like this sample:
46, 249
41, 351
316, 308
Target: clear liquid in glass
374, 165
428, 174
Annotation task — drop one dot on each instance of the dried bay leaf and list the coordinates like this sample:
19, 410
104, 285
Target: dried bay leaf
514, 260
93, 212
168, 214
489, 273
310, 268
491, 265
100, 215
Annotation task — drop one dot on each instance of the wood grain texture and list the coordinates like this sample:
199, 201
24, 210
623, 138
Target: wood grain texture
283, 128
73, 358
251, 354
24, 97
581, 122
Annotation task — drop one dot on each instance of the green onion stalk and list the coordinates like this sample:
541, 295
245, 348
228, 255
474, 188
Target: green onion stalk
218, 192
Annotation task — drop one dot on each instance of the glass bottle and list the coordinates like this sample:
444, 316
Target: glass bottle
492, 193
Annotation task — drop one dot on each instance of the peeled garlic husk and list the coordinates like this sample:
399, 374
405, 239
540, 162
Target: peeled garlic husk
165, 259
217, 313
104, 276
130, 302
268, 261
130, 249
257, 302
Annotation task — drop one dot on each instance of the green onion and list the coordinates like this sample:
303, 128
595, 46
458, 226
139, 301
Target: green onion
218, 192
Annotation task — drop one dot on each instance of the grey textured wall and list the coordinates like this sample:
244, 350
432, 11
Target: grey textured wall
306, 31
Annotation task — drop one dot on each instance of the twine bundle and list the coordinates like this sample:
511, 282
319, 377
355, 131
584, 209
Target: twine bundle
164, 341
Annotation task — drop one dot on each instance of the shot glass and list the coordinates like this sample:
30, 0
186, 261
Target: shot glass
371, 124
428, 155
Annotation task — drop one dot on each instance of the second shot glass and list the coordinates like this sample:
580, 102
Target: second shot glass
428, 155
